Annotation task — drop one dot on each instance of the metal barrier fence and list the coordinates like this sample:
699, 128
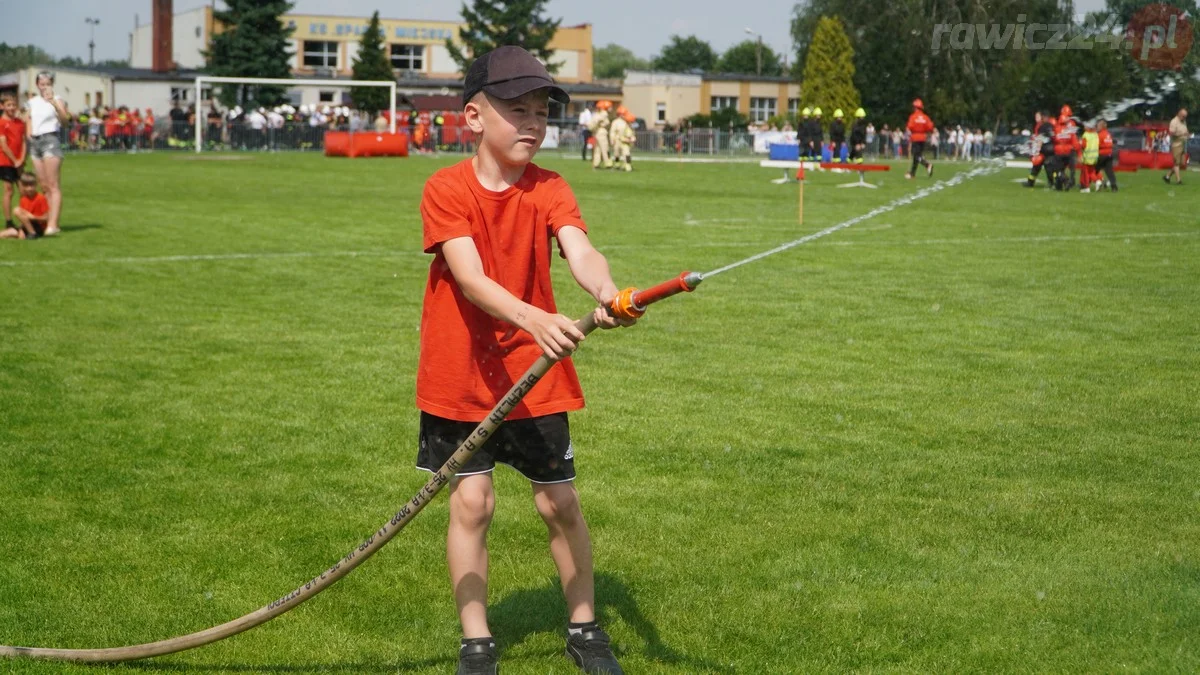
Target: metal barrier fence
300, 135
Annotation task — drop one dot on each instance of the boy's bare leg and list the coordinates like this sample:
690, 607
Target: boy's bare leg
472, 503
48, 175
25, 219
570, 545
8, 195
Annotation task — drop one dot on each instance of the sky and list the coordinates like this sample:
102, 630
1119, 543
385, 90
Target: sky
644, 26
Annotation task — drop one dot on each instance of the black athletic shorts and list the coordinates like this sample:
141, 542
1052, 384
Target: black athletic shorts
538, 447
9, 174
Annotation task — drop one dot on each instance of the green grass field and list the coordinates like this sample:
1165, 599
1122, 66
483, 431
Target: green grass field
961, 436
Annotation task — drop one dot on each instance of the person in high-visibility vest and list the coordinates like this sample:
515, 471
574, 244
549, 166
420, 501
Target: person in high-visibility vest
837, 133
1091, 156
802, 132
599, 126
858, 136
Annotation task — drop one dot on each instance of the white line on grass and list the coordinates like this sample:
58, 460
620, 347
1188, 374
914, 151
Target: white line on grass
611, 247
215, 256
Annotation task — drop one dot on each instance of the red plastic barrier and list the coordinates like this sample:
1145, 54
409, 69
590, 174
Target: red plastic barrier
365, 144
1145, 159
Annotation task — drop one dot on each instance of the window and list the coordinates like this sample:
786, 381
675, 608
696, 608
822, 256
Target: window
408, 57
325, 97
761, 109
722, 102
320, 54
793, 106
661, 114
181, 94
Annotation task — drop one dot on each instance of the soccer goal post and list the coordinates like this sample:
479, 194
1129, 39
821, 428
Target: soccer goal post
202, 80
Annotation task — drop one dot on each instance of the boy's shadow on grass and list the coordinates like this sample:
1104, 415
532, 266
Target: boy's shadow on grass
513, 619
541, 610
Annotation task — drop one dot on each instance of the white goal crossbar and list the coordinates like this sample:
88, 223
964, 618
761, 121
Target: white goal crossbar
284, 82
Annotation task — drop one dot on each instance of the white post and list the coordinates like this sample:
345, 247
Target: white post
198, 138
393, 117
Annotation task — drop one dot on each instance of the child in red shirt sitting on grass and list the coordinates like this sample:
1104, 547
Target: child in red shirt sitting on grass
491, 223
32, 212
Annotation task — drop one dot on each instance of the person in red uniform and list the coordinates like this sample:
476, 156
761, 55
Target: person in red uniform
919, 126
1043, 138
1066, 145
1105, 163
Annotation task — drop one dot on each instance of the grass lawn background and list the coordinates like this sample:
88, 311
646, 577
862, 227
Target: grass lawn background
960, 436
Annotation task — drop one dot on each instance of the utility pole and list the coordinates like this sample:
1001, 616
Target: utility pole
92, 41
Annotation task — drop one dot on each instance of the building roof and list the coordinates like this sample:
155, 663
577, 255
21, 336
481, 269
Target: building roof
128, 73
744, 77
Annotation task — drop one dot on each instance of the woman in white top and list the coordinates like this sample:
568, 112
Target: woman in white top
47, 113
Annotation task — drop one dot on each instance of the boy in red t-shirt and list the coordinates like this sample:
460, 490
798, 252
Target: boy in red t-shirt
31, 213
12, 151
489, 313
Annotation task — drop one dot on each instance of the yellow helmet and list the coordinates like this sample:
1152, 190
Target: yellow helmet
806, 112
860, 113
817, 112
837, 114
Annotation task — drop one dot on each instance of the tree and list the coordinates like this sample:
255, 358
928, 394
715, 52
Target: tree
612, 60
16, 57
372, 63
253, 44
829, 69
682, 55
496, 23
743, 58
1174, 89
901, 51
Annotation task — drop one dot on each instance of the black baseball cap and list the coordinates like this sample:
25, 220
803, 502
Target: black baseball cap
509, 72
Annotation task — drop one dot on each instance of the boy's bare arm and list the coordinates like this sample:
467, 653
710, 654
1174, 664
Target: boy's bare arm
556, 334
8, 152
590, 269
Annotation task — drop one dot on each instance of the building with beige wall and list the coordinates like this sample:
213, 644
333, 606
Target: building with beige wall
666, 98
325, 45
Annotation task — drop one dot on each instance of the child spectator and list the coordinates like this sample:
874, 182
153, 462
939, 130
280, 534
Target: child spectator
12, 151
31, 214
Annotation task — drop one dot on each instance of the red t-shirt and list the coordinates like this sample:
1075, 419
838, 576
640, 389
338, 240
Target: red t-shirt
469, 360
37, 205
14, 132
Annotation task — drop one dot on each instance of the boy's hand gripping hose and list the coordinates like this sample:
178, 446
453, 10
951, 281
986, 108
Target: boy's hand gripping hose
630, 303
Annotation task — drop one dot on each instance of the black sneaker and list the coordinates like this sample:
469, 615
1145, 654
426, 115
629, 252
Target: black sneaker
591, 653
477, 658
